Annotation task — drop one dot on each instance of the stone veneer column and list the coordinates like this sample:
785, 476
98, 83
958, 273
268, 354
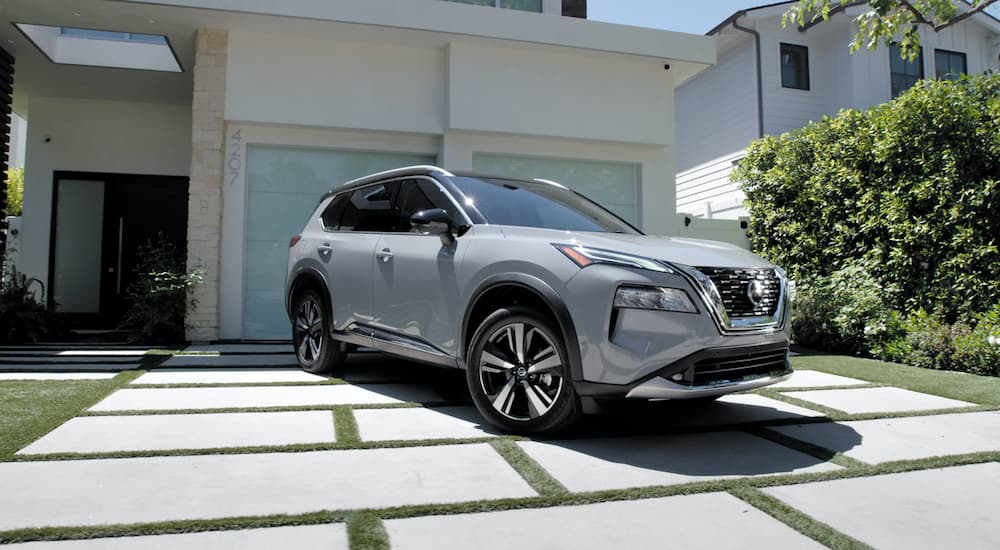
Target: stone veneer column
204, 231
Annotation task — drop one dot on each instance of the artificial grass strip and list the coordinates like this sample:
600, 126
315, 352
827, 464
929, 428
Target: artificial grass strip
805, 524
365, 531
537, 477
984, 390
29, 409
345, 426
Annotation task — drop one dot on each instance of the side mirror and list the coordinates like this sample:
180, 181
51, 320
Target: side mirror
433, 222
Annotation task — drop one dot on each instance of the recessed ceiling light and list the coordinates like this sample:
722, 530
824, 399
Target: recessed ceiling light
76, 13
152, 20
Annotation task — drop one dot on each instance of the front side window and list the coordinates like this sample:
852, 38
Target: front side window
903, 72
949, 65
794, 67
417, 195
541, 205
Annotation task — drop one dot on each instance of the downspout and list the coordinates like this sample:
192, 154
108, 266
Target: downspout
760, 84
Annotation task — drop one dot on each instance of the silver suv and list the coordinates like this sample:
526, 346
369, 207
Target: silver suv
548, 301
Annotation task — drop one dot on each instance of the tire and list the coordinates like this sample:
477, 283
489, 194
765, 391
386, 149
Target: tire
315, 350
530, 392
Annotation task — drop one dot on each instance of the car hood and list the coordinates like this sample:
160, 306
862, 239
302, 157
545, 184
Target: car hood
693, 252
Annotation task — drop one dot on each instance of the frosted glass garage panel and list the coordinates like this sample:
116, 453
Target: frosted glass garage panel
283, 186
613, 185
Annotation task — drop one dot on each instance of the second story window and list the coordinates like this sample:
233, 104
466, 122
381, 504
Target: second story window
903, 73
523, 5
794, 66
950, 65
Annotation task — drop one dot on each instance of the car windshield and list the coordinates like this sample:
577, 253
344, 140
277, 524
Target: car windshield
534, 204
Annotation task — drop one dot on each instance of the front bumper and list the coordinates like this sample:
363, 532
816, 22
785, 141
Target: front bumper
661, 388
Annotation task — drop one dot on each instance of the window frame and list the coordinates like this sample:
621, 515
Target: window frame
950, 53
781, 65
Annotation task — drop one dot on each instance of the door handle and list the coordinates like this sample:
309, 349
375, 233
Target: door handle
325, 249
385, 255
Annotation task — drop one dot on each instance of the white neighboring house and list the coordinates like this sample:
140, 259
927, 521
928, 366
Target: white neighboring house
770, 80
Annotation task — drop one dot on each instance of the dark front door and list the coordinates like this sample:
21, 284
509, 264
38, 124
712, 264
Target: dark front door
100, 222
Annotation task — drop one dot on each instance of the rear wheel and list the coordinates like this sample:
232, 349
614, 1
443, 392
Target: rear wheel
315, 350
518, 373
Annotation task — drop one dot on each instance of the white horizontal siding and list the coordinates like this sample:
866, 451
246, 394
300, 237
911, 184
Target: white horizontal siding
717, 110
705, 190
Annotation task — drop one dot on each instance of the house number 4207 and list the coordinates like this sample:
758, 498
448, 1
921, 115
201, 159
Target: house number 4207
235, 163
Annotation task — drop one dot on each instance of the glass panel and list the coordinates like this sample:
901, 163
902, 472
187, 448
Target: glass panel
283, 187
612, 185
949, 65
794, 67
79, 232
112, 35
476, 2
523, 5
904, 73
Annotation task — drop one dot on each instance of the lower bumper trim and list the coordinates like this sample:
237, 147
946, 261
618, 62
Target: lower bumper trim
661, 388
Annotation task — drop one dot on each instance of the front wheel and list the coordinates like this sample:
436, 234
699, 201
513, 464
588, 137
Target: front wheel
518, 373
315, 350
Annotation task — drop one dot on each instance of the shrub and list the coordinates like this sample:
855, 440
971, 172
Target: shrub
22, 318
15, 191
911, 188
160, 297
843, 312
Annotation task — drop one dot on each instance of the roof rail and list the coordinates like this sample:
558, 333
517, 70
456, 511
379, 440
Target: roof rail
418, 170
550, 182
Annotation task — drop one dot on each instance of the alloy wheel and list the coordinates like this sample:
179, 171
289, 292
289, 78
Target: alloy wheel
520, 370
309, 331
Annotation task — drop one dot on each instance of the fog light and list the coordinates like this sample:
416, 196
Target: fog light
663, 299
677, 377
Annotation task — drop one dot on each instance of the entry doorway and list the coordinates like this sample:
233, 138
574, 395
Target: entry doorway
98, 223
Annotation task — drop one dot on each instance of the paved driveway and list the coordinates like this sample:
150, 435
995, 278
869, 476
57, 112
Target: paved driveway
241, 448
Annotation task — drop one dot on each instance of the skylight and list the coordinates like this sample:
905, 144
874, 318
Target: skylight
103, 48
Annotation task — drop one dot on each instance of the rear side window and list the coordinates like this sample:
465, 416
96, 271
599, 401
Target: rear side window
334, 211
370, 209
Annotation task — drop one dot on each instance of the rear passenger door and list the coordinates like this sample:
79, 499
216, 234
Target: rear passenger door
415, 278
353, 224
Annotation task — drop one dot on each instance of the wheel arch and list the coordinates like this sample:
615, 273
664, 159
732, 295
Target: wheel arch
505, 289
308, 279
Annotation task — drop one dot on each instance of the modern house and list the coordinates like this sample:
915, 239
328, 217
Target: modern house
770, 80
219, 123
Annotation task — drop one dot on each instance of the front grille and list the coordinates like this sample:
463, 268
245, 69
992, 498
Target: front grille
732, 284
737, 368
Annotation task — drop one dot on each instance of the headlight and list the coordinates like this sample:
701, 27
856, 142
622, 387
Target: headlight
663, 299
789, 284
584, 256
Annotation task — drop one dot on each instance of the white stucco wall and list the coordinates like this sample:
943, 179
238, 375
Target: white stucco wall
94, 136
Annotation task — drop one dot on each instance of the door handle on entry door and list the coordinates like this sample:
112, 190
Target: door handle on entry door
385, 255
325, 249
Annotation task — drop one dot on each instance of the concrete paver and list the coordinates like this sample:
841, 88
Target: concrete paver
304, 537
619, 463
57, 375
97, 434
410, 424
165, 488
740, 409
69, 360
877, 400
943, 508
690, 521
68, 367
226, 376
176, 399
906, 438
255, 360
817, 379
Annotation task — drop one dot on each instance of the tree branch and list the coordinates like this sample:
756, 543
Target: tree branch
917, 16
963, 16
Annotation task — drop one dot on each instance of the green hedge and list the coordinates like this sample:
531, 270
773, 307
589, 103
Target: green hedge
909, 190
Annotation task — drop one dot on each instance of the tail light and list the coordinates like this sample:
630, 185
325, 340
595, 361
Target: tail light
295, 239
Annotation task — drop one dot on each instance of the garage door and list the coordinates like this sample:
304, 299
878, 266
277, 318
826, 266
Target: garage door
283, 186
613, 185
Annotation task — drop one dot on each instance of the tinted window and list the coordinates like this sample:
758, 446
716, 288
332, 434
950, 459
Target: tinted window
370, 209
333, 212
531, 204
949, 65
417, 195
794, 66
903, 73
